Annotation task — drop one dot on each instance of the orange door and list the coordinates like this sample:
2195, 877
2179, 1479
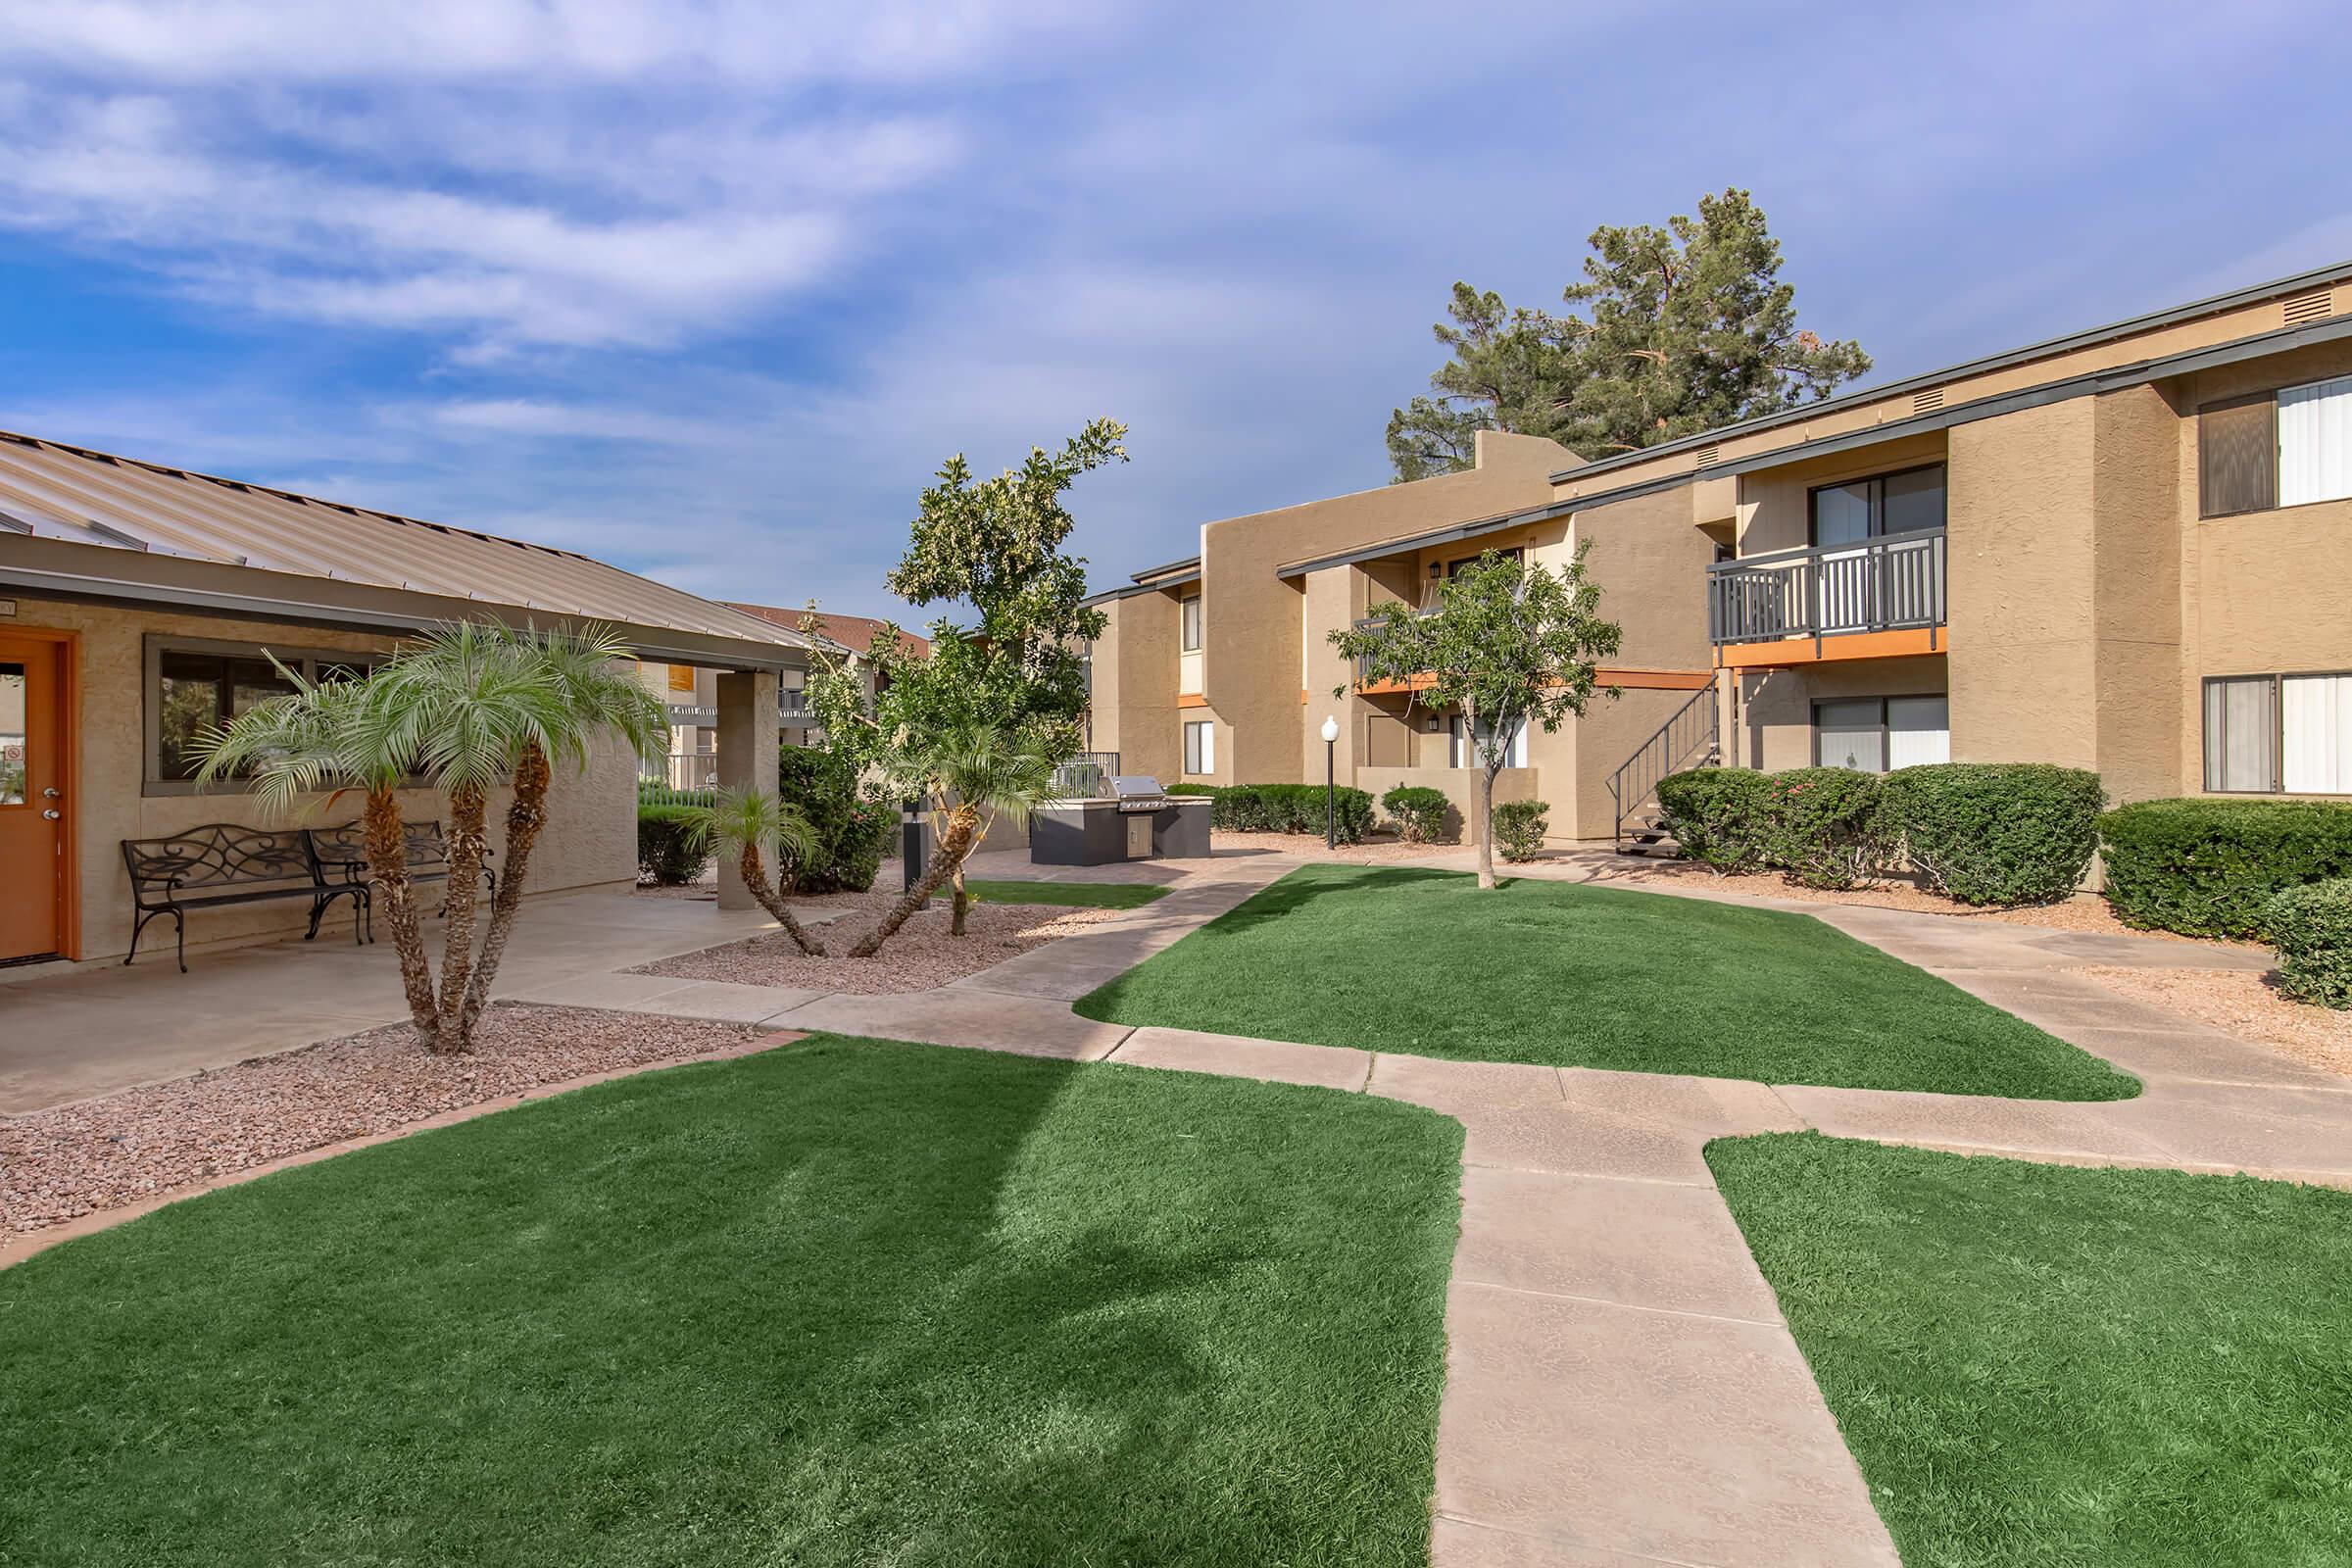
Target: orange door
33, 804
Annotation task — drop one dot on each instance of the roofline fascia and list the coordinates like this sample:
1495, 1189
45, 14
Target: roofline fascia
2089, 384
2150, 321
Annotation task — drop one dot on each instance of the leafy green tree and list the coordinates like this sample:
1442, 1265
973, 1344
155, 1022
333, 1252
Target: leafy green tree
458, 708
996, 547
972, 774
1685, 328
1509, 645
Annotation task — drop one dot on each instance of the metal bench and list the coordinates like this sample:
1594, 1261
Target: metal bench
341, 855
222, 864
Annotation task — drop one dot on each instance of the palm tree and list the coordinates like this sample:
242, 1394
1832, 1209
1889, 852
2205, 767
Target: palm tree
975, 773
459, 707
741, 821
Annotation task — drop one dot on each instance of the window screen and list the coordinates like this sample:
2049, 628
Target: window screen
1850, 734
1200, 748
2237, 456
1191, 611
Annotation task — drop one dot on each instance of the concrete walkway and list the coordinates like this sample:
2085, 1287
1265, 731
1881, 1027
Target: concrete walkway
1621, 1387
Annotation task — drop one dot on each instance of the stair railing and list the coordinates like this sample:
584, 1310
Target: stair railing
1694, 730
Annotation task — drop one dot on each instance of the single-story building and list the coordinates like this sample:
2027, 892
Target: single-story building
137, 603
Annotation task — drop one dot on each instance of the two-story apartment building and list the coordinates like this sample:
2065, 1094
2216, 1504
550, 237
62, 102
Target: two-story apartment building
2129, 549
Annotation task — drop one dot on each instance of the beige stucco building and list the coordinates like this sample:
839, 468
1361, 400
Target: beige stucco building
136, 602
2129, 549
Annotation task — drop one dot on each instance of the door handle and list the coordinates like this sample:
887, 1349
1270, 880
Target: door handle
53, 813
49, 794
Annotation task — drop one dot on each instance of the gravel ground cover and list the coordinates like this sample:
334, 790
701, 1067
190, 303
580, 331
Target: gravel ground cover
71, 1160
920, 956
2084, 912
2241, 1004
1309, 846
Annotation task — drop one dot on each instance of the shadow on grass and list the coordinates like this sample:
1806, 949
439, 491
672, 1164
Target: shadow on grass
845, 1302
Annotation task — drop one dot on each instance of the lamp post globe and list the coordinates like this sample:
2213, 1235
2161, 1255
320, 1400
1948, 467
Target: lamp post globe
1330, 819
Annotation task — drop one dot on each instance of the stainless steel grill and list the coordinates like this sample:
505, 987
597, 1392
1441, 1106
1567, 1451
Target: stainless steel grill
1138, 793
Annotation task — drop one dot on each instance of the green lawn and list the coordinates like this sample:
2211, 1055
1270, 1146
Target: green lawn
1084, 895
1421, 962
2045, 1365
845, 1303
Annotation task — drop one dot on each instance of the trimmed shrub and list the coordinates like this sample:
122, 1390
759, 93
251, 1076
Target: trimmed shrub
2210, 868
1719, 816
1419, 811
853, 832
2311, 926
664, 856
1209, 790
1996, 832
1519, 829
1826, 826
1290, 808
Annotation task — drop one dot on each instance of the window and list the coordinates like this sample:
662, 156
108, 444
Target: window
1462, 751
14, 736
2314, 442
2265, 734
1880, 734
1904, 502
1199, 747
193, 686
2284, 448
1188, 610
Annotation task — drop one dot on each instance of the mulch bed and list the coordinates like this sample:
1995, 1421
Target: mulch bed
2239, 1002
921, 954
58, 1164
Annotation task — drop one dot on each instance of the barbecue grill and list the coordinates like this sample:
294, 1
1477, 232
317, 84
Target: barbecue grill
1138, 793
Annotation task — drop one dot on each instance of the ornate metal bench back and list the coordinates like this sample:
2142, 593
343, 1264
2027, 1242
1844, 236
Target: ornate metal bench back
347, 845
218, 855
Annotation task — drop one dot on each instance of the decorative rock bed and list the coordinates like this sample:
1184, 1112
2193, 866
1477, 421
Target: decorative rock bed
921, 954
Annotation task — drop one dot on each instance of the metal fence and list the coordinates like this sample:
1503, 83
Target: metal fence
682, 778
1089, 773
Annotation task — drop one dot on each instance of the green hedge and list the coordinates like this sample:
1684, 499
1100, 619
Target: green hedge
1827, 826
1419, 811
853, 832
1209, 790
2210, 868
1718, 815
1996, 832
2312, 928
664, 854
1519, 829
1289, 808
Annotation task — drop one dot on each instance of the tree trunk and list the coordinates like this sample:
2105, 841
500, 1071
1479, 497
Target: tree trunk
527, 813
755, 880
388, 876
1484, 806
466, 838
963, 903
953, 845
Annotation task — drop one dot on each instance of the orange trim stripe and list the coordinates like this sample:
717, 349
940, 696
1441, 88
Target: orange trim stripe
1191, 699
1796, 651
1663, 680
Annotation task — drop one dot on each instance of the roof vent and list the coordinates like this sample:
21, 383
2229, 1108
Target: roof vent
11, 524
1927, 402
115, 536
2315, 305
1708, 457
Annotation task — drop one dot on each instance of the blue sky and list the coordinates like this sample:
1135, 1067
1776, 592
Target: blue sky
710, 290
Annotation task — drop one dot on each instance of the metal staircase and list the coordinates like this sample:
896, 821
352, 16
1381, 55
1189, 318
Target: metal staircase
1692, 737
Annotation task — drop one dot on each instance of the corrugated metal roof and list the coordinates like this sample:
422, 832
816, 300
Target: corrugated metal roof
51, 490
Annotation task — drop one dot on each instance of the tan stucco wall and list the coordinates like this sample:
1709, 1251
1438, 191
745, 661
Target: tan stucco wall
1775, 505
1135, 686
1459, 787
591, 836
1774, 724
2263, 592
1255, 622
2137, 593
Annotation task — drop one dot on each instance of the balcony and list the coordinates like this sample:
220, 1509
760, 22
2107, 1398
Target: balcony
1879, 599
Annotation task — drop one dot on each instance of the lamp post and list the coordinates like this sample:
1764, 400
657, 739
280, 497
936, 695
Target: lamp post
1330, 810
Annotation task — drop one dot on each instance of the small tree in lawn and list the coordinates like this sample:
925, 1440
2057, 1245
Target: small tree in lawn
457, 709
976, 728
742, 820
1509, 644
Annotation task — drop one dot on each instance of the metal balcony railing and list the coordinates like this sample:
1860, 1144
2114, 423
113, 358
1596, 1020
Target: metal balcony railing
1890, 583
1085, 775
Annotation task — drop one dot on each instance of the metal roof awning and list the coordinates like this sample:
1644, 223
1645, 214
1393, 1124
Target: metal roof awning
84, 524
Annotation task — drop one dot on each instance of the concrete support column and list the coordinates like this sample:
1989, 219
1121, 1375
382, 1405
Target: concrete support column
746, 757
